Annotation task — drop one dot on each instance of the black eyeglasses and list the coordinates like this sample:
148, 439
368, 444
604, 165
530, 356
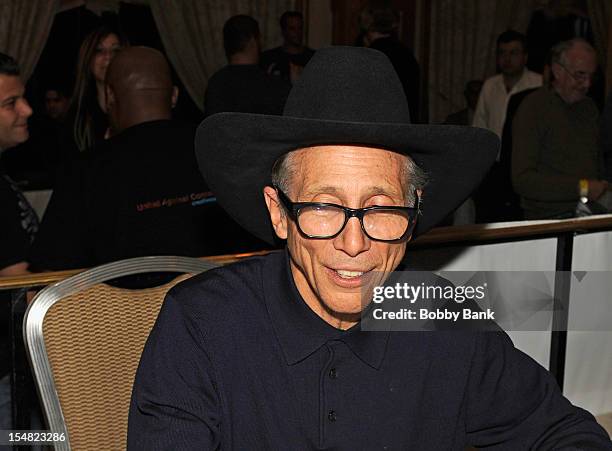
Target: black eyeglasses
322, 220
580, 77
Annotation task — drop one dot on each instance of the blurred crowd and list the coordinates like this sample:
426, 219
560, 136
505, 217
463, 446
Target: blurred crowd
124, 178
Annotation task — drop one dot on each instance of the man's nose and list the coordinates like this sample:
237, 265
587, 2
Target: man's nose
588, 81
352, 240
24, 108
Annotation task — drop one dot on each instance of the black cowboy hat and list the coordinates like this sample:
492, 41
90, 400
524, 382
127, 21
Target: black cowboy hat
346, 95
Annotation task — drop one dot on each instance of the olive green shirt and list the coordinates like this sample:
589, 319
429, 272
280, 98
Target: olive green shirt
555, 144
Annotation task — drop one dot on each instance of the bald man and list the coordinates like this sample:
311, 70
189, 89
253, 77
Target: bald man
141, 192
139, 88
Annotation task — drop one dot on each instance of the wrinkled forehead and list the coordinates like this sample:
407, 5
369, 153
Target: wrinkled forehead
347, 167
580, 55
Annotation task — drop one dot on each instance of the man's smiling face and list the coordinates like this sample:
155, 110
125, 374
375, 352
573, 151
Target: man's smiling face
14, 112
330, 273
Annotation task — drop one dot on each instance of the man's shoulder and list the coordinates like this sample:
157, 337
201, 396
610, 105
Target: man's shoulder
535, 101
458, 118
234, 288
491, 85
145, 163
533, 77
130, 146
162, 126
218, 77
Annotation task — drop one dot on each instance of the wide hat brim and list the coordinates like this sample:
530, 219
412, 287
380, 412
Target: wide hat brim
236, 152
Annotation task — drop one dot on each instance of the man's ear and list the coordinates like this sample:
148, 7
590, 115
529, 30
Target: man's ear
420, 194
275, 209
175, 94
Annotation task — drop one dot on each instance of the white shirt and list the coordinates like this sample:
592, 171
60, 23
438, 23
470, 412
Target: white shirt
493, 101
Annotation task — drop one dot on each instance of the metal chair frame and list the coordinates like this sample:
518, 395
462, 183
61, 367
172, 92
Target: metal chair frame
46, 298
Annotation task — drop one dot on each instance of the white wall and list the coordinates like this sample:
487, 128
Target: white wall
588, 370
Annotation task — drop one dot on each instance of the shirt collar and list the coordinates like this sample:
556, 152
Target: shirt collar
299, 330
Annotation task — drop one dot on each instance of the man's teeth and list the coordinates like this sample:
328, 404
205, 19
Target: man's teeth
348, 274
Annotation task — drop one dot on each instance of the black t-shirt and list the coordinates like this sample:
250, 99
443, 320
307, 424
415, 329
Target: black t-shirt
276, 61
140, 193
18, 224
245, 88
407, 68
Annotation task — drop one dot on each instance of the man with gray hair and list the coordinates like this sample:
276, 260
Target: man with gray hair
556, 157
271, 353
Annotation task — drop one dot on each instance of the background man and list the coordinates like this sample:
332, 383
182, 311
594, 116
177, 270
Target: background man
466, 115
465, 214
556, 156
242, 85
56, 103
380, 33
268, 353
18, 222
513, 77
288, 61
33, 164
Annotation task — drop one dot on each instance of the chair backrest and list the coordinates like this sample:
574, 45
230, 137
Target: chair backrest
84, 339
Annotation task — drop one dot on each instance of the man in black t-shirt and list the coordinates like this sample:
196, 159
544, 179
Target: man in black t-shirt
19, 222
242, 85
141, 192
287, 61
380, 27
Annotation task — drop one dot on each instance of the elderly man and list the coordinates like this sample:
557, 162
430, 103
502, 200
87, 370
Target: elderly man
556, 156
269, 354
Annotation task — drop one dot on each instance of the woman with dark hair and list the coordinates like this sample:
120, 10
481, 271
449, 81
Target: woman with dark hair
88, 122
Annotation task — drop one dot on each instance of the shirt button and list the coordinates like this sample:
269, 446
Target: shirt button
331, 416
333, 373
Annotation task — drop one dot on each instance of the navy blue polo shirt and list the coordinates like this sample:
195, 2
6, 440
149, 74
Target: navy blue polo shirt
237, 360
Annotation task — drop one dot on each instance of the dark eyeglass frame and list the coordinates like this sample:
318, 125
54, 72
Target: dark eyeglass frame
579, 77
294, 208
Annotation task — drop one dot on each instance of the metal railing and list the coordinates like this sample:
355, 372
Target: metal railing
17, 288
